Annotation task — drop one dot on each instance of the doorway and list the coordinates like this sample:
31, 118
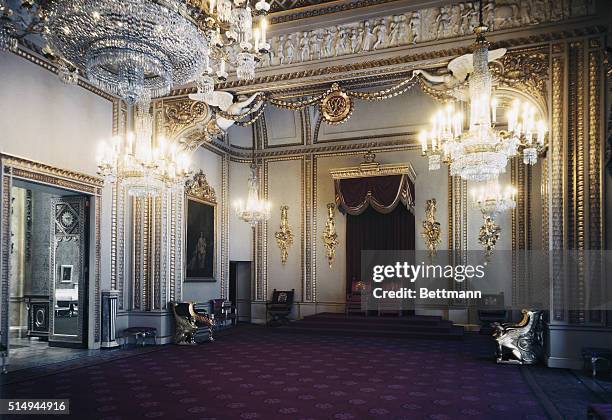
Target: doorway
49, 266
240, 288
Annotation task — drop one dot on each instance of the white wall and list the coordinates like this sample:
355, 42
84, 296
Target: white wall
47, 121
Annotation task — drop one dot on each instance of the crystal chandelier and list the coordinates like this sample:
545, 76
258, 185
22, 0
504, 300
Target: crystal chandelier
8, 39
133, 48
144, 167
482, 152
255, 209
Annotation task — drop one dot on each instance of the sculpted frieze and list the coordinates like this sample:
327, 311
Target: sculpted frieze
430, 24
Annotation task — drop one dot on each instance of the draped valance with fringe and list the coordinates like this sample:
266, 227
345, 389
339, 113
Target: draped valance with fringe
382, 193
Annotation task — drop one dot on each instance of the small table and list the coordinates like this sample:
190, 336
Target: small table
139, 333
593, 355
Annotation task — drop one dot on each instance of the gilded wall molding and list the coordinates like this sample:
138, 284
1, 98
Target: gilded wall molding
576, 193
596, 117
596, 145
225, 179
520, 175
557, 176
308, 179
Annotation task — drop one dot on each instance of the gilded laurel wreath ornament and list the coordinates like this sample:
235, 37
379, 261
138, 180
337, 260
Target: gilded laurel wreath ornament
431, 228
330, 236
284, 237
336, 106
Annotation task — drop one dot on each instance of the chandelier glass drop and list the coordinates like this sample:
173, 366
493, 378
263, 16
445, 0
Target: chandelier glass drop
132, 48
143, 167
481, 153
254, 209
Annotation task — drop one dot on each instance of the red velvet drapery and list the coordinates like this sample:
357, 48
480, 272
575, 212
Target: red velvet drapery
382, 193
375, 221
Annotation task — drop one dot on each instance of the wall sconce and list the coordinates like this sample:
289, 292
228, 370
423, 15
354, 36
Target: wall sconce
489, 235
284, 237
431, 228
330, 237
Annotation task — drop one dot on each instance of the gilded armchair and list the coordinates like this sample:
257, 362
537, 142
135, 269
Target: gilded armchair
521, 343
190, 323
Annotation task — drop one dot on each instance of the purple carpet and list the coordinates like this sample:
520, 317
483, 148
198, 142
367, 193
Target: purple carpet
252, 373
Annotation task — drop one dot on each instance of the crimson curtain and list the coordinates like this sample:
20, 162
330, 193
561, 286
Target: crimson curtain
383, 193
375, 220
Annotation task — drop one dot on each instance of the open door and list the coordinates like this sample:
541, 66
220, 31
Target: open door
69, 266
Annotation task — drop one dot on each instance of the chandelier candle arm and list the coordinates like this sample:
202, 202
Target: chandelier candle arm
482, 152
144, 167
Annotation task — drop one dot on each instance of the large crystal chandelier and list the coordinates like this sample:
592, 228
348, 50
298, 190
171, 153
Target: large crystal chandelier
482, 152
133, 48
143, 167
254, 209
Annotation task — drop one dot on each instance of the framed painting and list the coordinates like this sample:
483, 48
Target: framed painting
201, 232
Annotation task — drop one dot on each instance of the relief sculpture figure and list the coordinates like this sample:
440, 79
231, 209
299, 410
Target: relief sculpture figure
368, 37
380, 31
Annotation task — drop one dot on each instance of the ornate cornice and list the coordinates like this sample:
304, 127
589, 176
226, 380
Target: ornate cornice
69, 179
372, 168
285, 11
406, 59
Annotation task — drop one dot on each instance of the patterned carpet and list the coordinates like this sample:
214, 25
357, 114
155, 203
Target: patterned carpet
256, 374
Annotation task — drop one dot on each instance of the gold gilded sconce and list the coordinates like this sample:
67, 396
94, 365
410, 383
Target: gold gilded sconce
330, 237
489, 234
431, 228
284, 237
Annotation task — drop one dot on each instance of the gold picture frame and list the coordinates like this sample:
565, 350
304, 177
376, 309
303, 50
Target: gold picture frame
200, 248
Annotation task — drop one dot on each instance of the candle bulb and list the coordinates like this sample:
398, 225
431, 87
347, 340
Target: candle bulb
541, 131
423, 141
264, 26
494, 110
256, 36
211, 6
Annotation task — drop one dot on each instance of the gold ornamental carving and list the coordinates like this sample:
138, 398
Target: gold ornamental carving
489, 235
431, 228
525, 70
181, 114
199, 187
336, 106
330, 236
284, 237
369, 167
